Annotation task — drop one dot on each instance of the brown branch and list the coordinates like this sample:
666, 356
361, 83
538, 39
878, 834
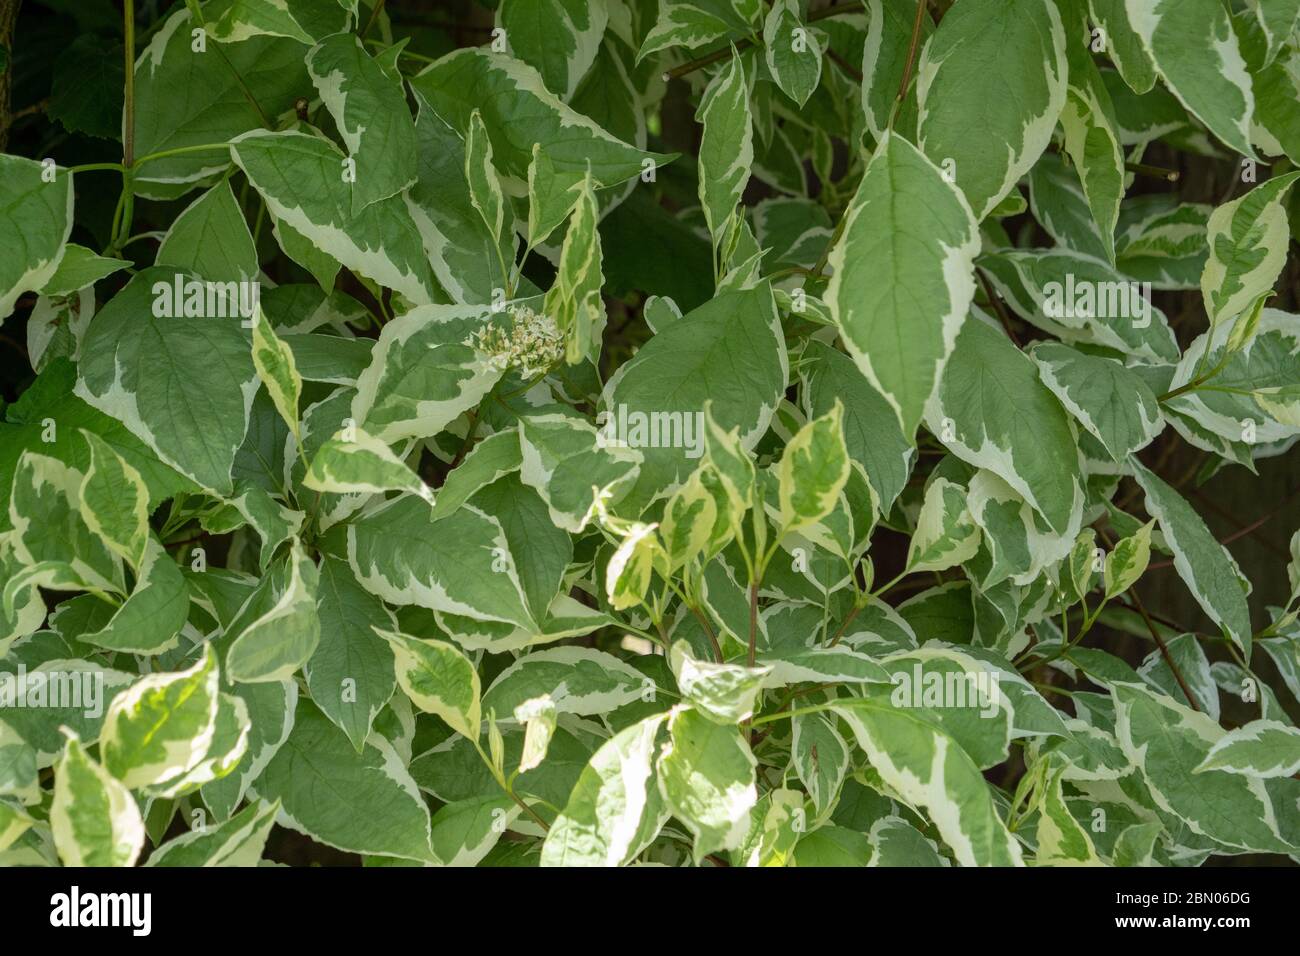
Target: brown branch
1164, 649
8, 21
998, 307
845, 626
911, 49
844, 65
708, 629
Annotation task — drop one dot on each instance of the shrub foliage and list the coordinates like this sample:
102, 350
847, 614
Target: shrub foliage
596, 432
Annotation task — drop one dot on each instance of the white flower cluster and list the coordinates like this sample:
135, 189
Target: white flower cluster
533, 344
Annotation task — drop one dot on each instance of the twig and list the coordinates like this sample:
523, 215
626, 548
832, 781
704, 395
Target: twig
845, 626
911, 49
753, 621
708, 629
844, 65
998, 307
128, 89
717, 56
1155, 172
1164, 650
374, 15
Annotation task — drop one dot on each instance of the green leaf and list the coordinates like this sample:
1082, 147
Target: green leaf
270, 708
304, 20
210, 238
519, 111
551, 196
1014, 106
78, 269
86, 92
278, 631
615, 808
466, 257
238, 841
900, 316
37, 221
350, 674
627, 577
820, 757
1163, 244
578, 680
50, 528
160, 727
872, 433
423, 373
725, 693
692, 23
946, 535
492, 458
1092, 138
460, 564
726, 146
959, 694
481, 175
1206, 567
1167, 742
182, 384
1195, 52
368, 105
691, 527
559, 38
832, 846
1114, 404
321, 782
574, 302
1080, 299
992, 411
928, 768
115, 501
94, 818
1261, 748
439, 679
813, 470
18, 774
227, 749
792, 51
1062, 840
14, 822
1125, 564
223, 85
463, 833
689, 363
278, 371
149, 621
884, 59
1123, 44
1248, 240
355, 462
706, 775
573, 467
301, 179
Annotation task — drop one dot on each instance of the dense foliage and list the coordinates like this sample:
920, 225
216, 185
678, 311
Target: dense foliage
595, 432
